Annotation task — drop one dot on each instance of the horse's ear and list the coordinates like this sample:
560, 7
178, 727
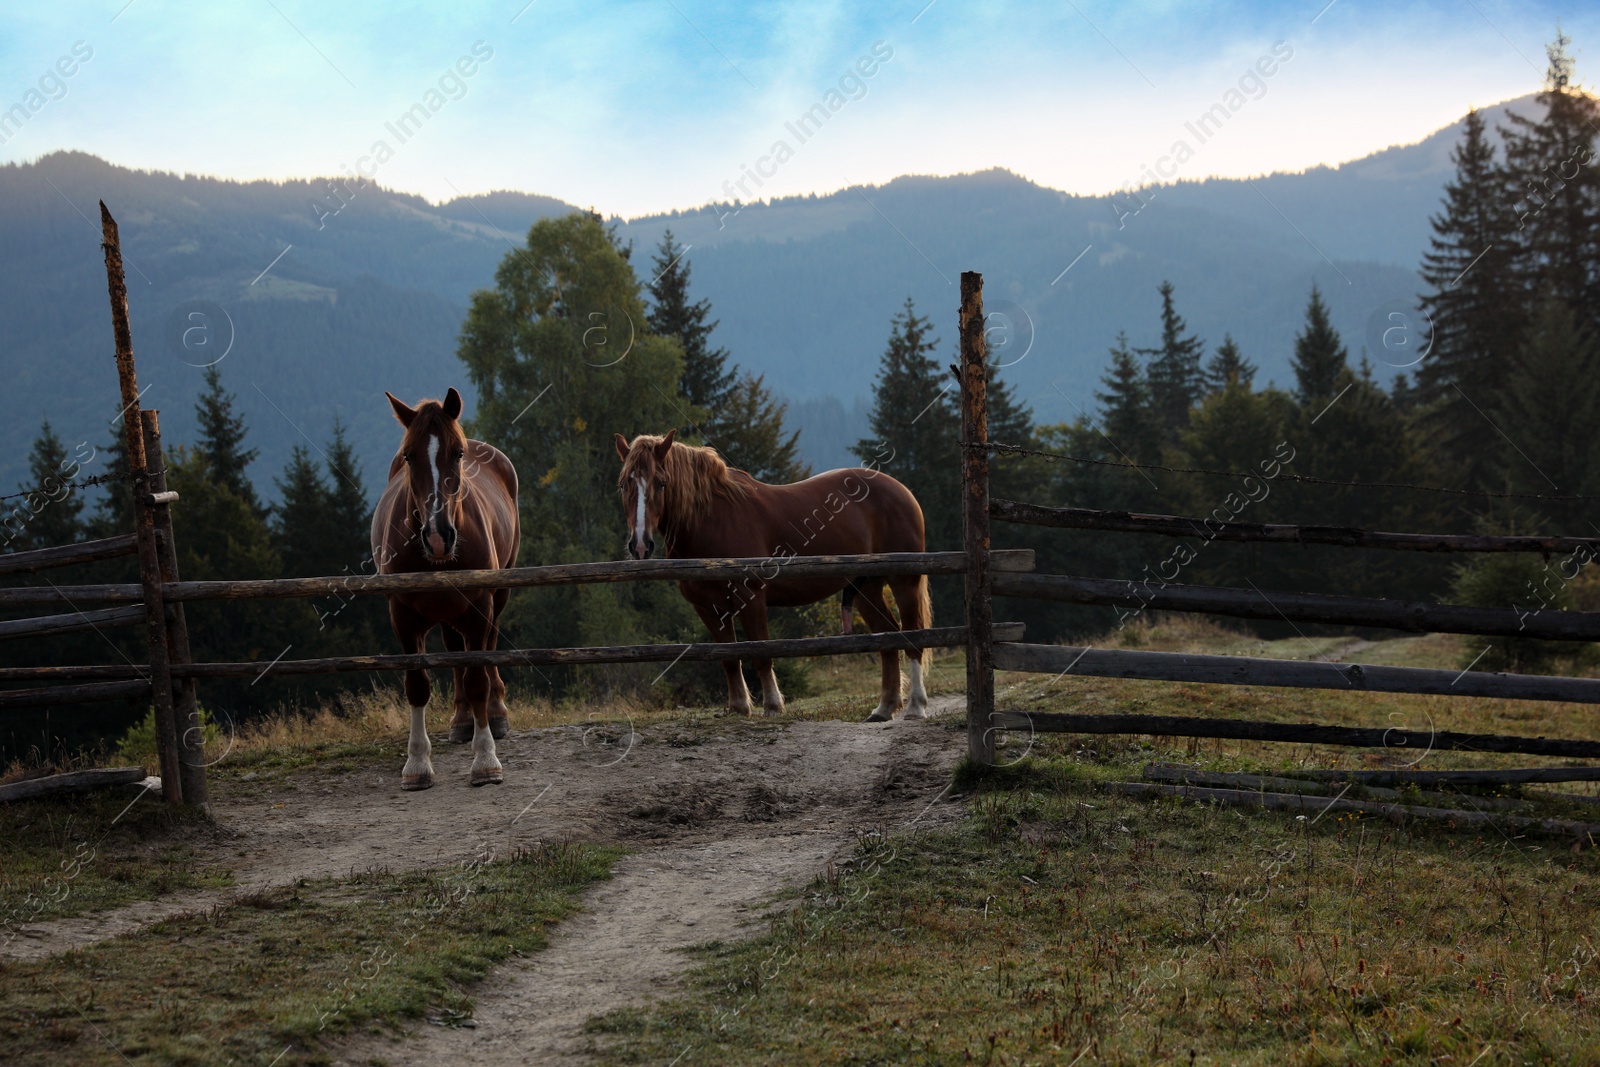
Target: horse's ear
401, 411
666, 444
452, 404
622, 445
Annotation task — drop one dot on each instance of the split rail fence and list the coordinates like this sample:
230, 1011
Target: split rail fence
988, 650
169, 678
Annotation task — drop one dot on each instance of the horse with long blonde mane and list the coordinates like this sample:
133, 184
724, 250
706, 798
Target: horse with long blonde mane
700, 508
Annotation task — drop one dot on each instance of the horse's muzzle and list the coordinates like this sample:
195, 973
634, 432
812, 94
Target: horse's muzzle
638, 551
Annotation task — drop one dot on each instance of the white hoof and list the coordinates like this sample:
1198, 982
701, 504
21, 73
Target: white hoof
917, 711
416, 777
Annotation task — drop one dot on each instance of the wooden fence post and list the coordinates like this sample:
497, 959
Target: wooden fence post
144, 526
975, 522
186, 710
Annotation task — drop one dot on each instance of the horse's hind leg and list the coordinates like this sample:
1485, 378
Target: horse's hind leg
499, 713
476, 629
412, 630
875, 614
753, 617
916, 613
720, 623
461, 721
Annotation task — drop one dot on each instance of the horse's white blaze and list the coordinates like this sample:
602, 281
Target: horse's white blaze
638, 513
436, 474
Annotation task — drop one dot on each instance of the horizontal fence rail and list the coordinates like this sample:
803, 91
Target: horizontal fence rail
1410, 615
73, 694
755, 569
699, 652
1211, 530
72, 622
39, 559
1392, 738
1290, 674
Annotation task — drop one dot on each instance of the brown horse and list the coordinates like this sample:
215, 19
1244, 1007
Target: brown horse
704, 509
451, 504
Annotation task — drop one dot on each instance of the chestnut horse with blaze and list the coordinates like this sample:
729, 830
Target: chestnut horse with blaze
450, 505
703, 509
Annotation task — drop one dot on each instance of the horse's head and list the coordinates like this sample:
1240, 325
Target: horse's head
643, 485
432, 452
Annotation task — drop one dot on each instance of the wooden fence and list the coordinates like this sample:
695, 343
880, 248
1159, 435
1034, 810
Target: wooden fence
169, 676
988, 651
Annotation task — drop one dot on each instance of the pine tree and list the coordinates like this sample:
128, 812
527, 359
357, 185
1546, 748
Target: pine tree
350, 514
707, 379
1125, 406
114, 513
1320, 360
1228, 367
302, 515
1552, 407
1553, 167
915, 425
1174, 376
51, 513
1476, 308
748, 431
222, 441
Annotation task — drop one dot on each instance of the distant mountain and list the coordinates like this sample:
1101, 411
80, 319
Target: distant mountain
331, 296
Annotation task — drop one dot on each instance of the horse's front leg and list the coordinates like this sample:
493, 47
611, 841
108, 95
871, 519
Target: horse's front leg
412, 630
461, 721
719, 620
476, 627
753, 618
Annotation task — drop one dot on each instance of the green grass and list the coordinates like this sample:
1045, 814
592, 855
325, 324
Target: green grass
263, 979
64, 856
1058, 920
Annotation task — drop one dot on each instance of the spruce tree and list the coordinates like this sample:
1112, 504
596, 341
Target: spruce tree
1125, 406
222, 442
1551, 410
1476, 308
1554, 171
916, 426
51, 513
707, 378
747, 429
302, 514
1228, 367
1173, 374
350, 514
1320, 359
114, 513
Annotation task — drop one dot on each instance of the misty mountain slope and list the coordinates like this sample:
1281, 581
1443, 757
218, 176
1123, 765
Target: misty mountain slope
331, 297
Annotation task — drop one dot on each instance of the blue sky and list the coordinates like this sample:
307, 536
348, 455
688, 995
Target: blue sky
645, 106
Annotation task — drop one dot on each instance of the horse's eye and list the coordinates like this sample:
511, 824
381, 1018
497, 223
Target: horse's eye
457, 454
407, 458
661, 483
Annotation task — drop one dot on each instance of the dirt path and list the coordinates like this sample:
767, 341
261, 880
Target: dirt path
724, 815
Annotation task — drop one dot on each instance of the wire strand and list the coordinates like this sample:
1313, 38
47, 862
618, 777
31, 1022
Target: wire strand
1018, 450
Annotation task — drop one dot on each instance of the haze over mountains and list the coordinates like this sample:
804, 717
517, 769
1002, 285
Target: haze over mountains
326, 308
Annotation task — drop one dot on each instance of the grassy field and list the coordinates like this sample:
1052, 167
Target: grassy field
261, 979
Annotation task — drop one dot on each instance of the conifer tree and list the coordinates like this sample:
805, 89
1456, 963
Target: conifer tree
51, 513
302, 516
113, 515
1125, 406
1173, 374
1228, 367
707, 378
222, 435
915, 425
1476, 308
350, 513
747, 429
1551, 411
1320, 358
1554, 169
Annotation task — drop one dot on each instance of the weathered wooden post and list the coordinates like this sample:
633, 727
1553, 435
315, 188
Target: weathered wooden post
186, 710
975, 522
144, 523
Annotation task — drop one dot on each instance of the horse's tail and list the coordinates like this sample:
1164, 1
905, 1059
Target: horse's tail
922, 616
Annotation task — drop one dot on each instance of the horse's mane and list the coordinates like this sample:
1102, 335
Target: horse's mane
696, 478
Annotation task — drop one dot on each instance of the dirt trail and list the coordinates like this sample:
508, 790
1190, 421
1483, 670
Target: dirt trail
724, 814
